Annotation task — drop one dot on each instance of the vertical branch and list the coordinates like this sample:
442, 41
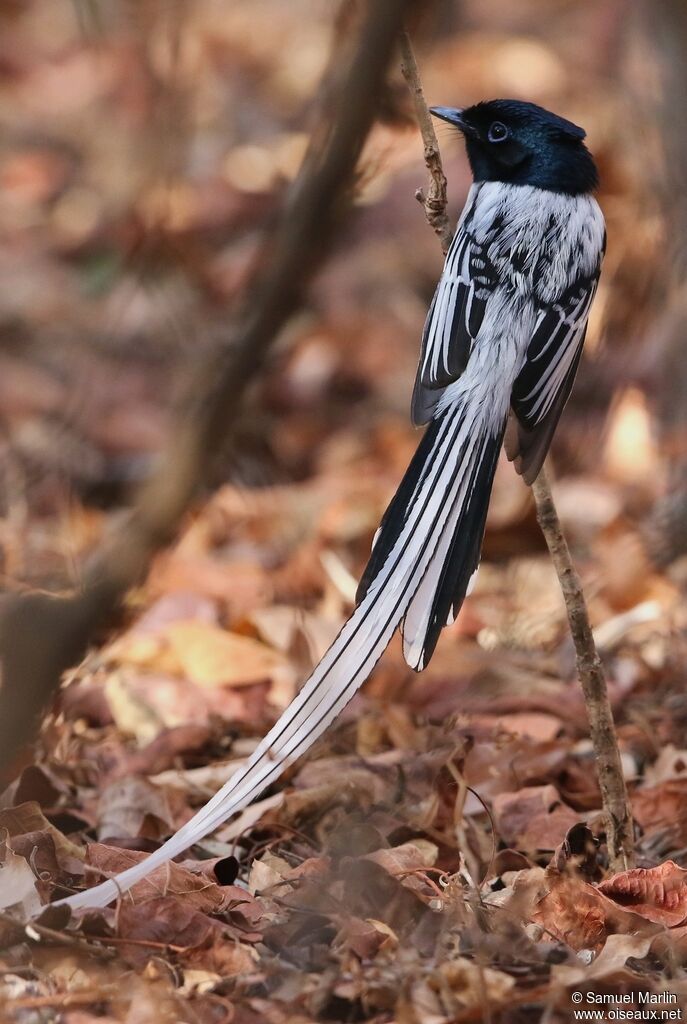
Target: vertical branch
619, 827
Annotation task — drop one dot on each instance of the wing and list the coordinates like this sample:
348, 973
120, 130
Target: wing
454, 319
543, 385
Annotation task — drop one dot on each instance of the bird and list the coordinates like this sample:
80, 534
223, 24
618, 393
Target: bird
499, 352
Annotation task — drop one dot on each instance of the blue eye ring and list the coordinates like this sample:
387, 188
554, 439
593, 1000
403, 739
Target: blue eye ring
498, 132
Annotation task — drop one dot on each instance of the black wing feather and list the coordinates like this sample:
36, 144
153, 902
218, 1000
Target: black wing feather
543, 385
454, 319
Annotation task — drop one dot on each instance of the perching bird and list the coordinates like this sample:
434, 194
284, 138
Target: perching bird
500, 348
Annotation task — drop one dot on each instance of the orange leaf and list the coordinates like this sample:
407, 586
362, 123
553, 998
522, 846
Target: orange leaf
210, 656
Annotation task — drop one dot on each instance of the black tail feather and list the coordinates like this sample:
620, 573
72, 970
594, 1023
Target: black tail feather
394, 517
466, 547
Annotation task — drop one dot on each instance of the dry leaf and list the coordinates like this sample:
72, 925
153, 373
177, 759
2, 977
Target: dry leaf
128, 804
533, 818
203, 653
210, 656
18, 893
169, 880
28, 817
456, 986
663, 807
367, 937
406, 863
659, 894
267, 872
582, 916
164, 919
610, 961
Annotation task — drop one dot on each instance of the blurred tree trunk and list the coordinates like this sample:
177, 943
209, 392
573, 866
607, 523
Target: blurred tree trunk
665, 22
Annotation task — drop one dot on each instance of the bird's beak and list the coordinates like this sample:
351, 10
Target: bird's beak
454, 116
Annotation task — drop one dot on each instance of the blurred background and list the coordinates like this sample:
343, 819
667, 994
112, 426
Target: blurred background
145, 150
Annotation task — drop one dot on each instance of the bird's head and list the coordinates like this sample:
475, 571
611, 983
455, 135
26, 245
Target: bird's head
523, 144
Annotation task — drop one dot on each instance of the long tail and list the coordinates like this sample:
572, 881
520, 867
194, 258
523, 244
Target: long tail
425, 553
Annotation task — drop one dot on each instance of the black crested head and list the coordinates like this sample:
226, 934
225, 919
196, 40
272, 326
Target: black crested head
523, 144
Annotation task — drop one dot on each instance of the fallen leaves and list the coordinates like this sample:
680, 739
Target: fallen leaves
632, 904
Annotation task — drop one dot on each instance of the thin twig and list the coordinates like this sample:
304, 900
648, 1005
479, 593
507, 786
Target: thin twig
20, 932
434, 200
63, 1000
619, 827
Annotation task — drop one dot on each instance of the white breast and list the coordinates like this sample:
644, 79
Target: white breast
546, 239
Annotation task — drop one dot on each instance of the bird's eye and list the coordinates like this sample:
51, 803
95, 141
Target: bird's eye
498, 132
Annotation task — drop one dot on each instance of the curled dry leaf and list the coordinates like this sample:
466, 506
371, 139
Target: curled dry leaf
659, 894
268, 872
38, 849
582, 916
522, 890
577, 852
367, 937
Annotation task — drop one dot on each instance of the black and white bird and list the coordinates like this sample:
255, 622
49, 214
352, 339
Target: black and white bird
500, 349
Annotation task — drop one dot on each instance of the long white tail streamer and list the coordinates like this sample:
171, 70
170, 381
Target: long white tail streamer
433, 514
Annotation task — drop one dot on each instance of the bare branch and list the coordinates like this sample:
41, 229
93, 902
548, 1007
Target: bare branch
619, 827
